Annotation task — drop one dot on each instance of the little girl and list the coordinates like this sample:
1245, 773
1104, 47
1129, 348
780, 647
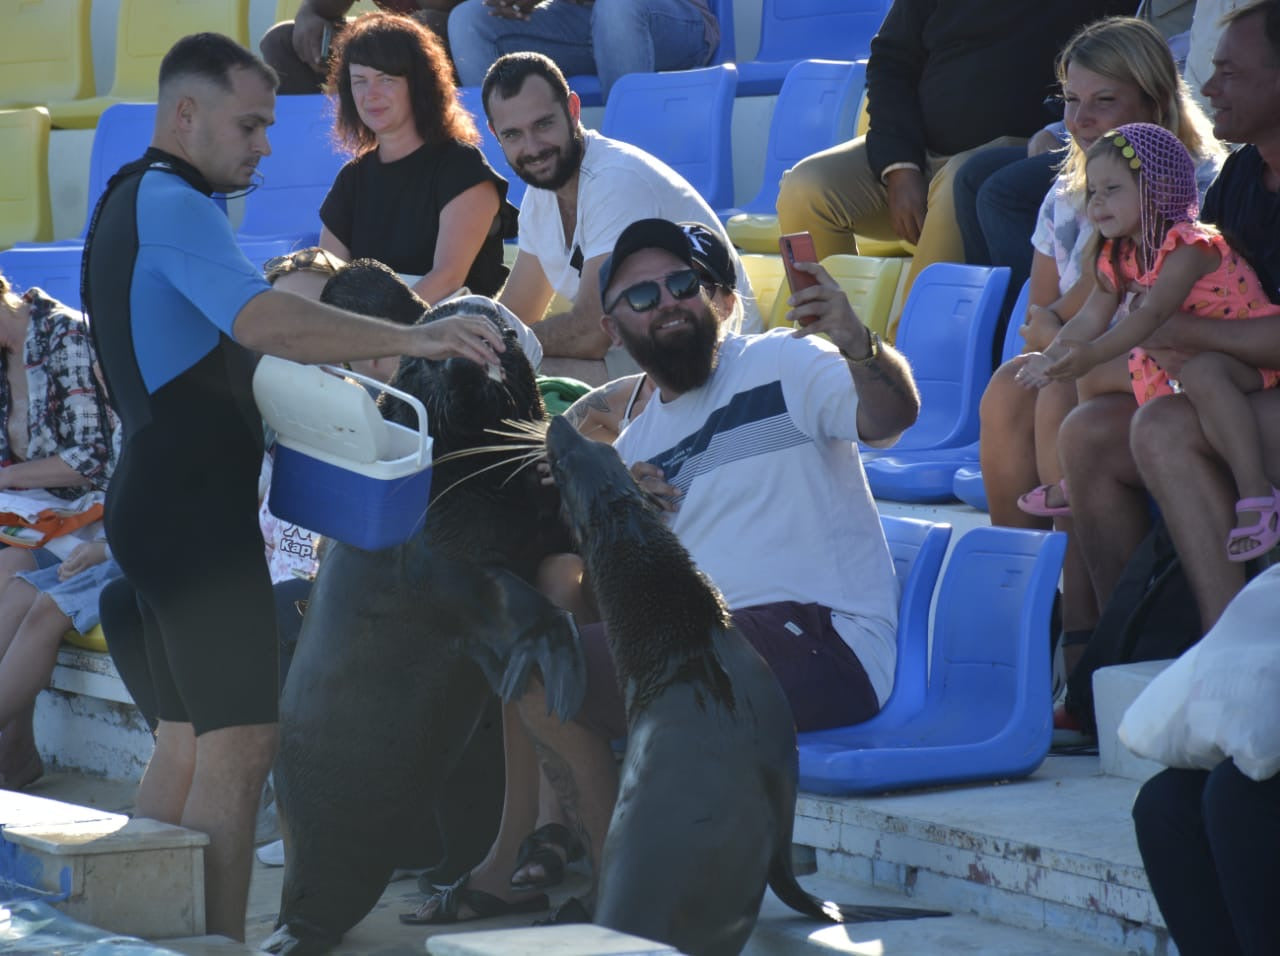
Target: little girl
1143, 203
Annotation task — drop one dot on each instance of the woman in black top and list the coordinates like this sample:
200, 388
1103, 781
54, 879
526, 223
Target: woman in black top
419, 194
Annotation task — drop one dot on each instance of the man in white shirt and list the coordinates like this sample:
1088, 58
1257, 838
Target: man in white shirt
751, 443
586, 189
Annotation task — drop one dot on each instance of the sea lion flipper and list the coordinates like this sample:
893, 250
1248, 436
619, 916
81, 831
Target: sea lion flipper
544, 636
555, 646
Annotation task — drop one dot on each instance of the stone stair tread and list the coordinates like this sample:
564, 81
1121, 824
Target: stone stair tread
113, 834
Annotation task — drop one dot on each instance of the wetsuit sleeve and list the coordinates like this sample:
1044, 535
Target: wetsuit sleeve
193, 248
82, 424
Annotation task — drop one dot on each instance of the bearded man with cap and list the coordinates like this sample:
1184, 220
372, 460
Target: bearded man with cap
751, 443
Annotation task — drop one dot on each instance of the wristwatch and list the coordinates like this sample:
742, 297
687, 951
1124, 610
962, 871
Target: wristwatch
873, 350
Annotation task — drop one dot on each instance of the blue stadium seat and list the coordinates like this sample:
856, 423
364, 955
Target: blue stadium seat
988, 712
283, 212
122, 135
473, 102
814, 111
945, 333
967, 484
683, 118
930, 476
918, 548
792, 30
588, 87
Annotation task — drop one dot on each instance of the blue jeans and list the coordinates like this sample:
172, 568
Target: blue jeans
1210, 842
607, 38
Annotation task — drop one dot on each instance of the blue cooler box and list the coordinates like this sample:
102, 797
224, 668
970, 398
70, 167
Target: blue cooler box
340, 469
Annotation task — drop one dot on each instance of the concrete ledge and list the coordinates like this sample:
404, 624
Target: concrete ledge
581, 939
135, 877
1054, 852
1114, 689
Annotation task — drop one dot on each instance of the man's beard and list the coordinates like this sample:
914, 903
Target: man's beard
564, 169
682, 363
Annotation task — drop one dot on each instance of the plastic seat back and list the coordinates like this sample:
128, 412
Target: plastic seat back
47, 52
145, 31
1013, 342
148, 28
946, 333
792, 30
809, 116
918, 548
991, 627
26, 213
473, 103
682, 118
988, 710
768, 279
869, 282
296, 176
591, 93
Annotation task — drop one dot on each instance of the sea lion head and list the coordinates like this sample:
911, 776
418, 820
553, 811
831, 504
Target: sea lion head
597, 493
463, 399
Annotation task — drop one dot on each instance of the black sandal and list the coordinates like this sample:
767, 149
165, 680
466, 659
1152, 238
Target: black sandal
544, 847
484, 905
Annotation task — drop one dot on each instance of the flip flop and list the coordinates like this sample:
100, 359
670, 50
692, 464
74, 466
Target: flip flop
1265, 534
544, 847
485, 905
1035, 501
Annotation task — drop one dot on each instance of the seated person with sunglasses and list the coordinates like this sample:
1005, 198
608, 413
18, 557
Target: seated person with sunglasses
780, 516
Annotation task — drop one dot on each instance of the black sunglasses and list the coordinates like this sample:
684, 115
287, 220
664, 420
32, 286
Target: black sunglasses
645, 296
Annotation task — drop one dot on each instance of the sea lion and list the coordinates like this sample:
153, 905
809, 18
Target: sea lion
706, 801
384, 690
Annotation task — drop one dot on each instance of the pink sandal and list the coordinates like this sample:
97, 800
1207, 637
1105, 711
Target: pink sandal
1266, 533
1036, 501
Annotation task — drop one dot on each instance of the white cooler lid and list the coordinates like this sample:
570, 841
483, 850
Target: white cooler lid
323, 410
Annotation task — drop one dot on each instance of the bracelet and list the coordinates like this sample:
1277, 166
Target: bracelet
873, 351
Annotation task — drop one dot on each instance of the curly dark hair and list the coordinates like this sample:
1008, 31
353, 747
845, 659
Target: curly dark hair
399, 46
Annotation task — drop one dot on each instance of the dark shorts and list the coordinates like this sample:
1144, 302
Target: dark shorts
182, 519
821, 675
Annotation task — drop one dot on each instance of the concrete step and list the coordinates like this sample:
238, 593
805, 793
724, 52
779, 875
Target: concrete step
1055, 852
1114, 689
135, 877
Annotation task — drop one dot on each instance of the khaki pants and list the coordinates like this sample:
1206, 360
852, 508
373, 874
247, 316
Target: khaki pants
834, 194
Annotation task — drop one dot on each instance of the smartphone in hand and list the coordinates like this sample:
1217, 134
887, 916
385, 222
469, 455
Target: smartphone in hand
797, 247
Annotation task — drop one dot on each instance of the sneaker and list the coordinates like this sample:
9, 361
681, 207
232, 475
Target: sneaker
271, 854
1068, 730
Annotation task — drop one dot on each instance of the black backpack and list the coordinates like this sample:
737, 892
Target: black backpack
1151, 615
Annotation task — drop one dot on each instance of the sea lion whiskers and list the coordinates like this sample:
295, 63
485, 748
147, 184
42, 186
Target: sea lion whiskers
527, 458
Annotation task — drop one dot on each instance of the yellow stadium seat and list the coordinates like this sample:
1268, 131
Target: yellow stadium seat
145, 31
285, 9
767, 279
754, 232
870, 283
93, 641
25, 211
46, 53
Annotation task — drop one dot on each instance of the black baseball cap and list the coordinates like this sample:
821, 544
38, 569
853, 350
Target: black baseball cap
691, 242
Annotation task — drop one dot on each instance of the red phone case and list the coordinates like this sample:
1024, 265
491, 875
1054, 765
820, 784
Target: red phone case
797, 247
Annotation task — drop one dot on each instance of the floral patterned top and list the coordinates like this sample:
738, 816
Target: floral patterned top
67, 413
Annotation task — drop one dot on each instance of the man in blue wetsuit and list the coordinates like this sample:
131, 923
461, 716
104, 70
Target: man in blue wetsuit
177, 313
